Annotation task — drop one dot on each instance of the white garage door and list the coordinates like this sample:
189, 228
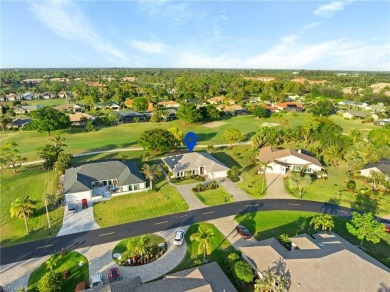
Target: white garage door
218, 174
76, 197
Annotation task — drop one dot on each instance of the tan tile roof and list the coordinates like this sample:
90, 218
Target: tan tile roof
336, 266
304, 242
229, 108
169, 103
78, 117
271, 154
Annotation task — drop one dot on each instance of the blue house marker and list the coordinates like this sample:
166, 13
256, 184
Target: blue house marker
190, 139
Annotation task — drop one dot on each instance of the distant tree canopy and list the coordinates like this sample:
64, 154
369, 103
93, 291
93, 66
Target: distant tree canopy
158, 140
48, 119
380, 137
189, 113
140, 104
323, 108
261, 112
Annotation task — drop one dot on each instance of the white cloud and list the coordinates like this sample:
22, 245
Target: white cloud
312, 25
327, 10
67, 21
290, 39
148, 47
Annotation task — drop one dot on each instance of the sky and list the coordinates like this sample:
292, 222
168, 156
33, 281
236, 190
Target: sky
318, 35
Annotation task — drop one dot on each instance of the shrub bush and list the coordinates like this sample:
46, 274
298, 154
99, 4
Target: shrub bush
242, 271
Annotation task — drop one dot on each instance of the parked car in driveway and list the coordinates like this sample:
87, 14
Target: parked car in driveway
84, 203
96, 279
72, 207
114, 275
245, 234
179, 237
387, 228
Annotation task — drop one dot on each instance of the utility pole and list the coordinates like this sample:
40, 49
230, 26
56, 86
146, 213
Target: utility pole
47, 214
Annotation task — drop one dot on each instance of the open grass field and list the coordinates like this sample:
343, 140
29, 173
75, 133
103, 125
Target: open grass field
214, 197
264, 225
220, 249
34, 182
240, 156
69, 262
349, 125
334, 190
163, 200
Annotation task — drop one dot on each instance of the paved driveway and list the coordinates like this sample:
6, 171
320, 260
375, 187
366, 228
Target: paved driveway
275, 187
237, 193
82, 220
187, 194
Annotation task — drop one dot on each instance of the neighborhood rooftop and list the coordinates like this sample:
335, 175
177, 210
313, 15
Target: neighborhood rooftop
79, 179
269, 153
194, 160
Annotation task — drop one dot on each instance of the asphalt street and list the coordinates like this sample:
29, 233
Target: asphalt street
48, 246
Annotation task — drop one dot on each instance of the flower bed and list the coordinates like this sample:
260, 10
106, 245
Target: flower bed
203, 187
140, 250
189, 177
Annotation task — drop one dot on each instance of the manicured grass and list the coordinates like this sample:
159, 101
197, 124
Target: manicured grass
220, 249
214, 197
240, 156
34, 182
334, 190
121, 247
349, 125
187, 182
163, 200
67, 262
126, 135
269, 224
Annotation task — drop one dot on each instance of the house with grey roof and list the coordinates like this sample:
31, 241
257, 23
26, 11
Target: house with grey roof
130, 116
19, 123
282, 160
195, 163
25, 109
205, 278
323, 262
351, 114
382, 166
98, 180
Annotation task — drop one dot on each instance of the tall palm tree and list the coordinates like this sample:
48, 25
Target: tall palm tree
23, 208
263, 166
151, 172
356, 135
323, 222
271, 282
203, 236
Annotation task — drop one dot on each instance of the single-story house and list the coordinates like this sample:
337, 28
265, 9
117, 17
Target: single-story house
73, 108
129, 116
129, 79
350, 114
12, 97
221, 100
56, 79
323, 262
380, 166
19, 123
347, 102
382, 122
111, 105
290, 106
102, 179
79, 119
204, 278
271, 108
28, 96
195, 163
169, 103
32, 81
25, 109
129, 103
292, 97
169, 114
46, 95
303, 80
282, 160
233, 110
65, 94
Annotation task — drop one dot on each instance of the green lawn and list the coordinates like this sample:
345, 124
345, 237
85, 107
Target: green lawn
34, 182
163, 200
69, 262
269, 224
333, 190
121, 247
349, 125
240, 156
220, 249
214, 197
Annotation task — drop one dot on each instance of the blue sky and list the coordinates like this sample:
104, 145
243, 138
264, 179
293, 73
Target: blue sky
328, 35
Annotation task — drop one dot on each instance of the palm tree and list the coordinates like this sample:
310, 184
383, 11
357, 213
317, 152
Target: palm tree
23, 208
325, 222
271, 282
50, 264
203, 236
263, 167
334, 154
356, 135
151, 172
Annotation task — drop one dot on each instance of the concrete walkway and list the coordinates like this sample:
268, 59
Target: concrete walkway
187, 194
237, 193
15, 276
82, 220
100, 259
226, 226
275, 187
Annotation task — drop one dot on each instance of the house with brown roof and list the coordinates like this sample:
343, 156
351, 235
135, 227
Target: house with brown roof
79, 119
129, 103
290, 106
233, 110
324, 262
351, 114
169, 103
283, 160
271, 108
221, 100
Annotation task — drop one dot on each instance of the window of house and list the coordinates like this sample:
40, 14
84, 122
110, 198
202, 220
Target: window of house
136, 187
296, 168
